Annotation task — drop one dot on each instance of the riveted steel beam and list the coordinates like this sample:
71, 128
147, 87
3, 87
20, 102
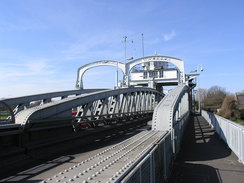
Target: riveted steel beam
95, 104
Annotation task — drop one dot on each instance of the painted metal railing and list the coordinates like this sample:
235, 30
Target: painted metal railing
230, 132
155, 166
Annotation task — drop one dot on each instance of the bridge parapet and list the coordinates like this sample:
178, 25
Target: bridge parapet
172, 113
171, 109
229, 132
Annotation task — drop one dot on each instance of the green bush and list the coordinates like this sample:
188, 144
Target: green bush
242, 114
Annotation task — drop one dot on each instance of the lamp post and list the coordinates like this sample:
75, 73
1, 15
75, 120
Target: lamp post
199, 69
195, 74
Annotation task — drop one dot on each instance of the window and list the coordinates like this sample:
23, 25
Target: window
161, 74
155, 74
144, 75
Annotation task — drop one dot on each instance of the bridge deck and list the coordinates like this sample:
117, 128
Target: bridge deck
205, 158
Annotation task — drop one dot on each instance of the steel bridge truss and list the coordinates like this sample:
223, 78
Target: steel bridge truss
90, 107
135, 103
17, 104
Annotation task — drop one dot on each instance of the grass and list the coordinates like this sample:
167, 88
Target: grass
4, 115
239, 121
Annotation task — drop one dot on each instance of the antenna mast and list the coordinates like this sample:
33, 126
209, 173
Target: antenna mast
142, 41
125, 37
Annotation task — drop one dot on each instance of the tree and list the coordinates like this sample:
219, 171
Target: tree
241, 92
214, 97
201, 94
229, 108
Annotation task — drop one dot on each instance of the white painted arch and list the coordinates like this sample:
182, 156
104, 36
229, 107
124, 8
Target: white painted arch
84, 68
127, 67
157, 58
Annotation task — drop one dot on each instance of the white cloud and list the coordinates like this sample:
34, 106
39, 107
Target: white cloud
33, 76
38, 86
170, 35
37, 67
107, 45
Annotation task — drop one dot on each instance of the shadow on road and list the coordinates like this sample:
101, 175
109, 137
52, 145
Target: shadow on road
200, 143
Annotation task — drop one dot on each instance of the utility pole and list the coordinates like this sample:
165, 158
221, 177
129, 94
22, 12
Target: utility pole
142, 42
125, 37
117, 75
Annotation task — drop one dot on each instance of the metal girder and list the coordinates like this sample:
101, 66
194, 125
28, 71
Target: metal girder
22, 103
172, 114
171, 109
95, 105
46, 96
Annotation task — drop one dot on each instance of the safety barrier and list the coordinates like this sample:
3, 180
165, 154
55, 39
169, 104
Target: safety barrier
155, 167
230, 132
172, 114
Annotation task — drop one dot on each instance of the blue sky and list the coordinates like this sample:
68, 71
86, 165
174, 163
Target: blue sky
43, 42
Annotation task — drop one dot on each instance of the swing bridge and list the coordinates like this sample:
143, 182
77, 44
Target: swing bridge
39, 121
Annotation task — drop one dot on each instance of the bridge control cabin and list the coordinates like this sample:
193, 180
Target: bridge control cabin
159, 73
156, 71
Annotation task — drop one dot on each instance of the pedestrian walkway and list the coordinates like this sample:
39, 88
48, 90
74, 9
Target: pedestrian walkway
205, 158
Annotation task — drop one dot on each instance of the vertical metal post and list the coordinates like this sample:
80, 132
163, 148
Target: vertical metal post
117, 76
151, 169
142, 41
199, 97
164, 158
199, 69
173, 141
125, 37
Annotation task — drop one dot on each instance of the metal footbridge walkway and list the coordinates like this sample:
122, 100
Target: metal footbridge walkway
204, 157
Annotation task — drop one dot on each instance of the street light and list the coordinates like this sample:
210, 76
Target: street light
199, 69
193, 75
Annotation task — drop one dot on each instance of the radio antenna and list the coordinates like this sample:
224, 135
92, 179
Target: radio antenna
125, 37
142, 42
